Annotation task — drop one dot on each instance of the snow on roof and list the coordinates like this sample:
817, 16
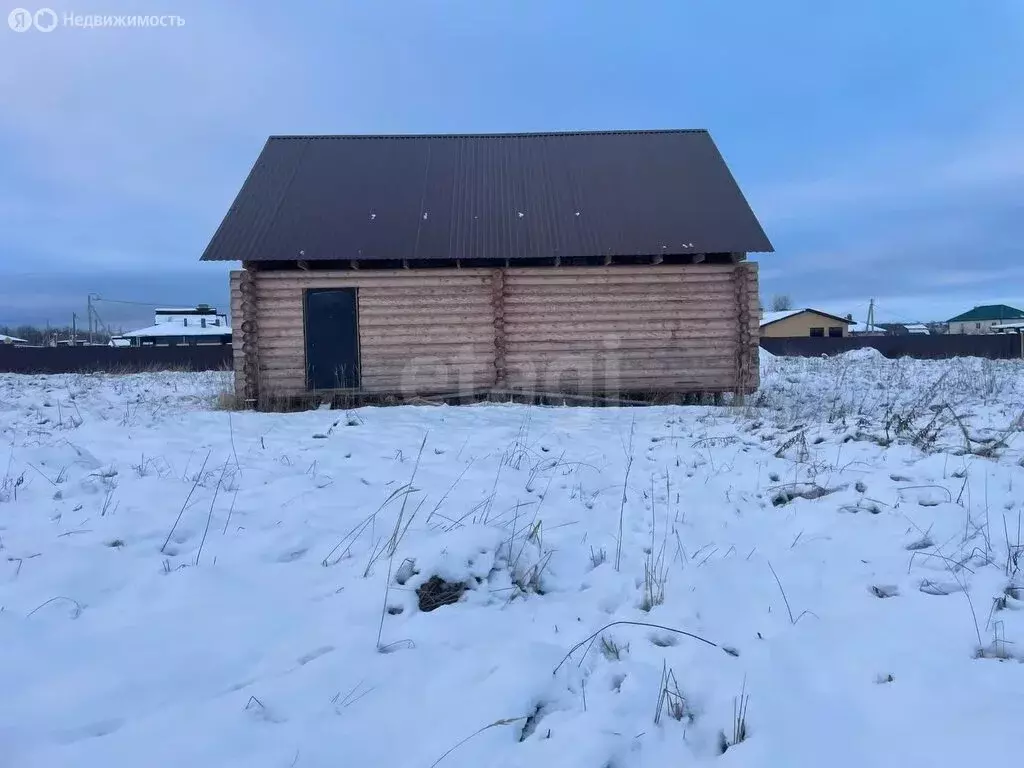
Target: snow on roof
4, 339
167, 329
774, 317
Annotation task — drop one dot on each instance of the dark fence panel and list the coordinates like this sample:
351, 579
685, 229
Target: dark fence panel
993, 346
208, 357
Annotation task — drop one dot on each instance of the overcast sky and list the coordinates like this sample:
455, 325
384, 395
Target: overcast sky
879, 142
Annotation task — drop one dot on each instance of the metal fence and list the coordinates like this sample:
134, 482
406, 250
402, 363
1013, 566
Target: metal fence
993, 346
218, 357
114, 359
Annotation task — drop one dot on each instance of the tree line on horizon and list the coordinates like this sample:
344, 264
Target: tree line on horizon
40, 337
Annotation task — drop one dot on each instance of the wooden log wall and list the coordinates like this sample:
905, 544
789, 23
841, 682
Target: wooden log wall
748, 308
244, 313
600, 330
236, 322
419, 330
625, 328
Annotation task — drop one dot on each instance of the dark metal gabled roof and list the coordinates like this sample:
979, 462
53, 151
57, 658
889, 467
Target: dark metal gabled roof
539, 195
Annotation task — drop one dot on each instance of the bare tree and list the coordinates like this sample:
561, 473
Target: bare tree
781, 302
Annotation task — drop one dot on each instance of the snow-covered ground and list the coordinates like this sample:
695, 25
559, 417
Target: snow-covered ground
181, 586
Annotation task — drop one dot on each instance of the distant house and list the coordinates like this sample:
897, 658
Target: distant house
864, 329
193, 325
12, 340
804, 322
903, 329
202, 315
982, 319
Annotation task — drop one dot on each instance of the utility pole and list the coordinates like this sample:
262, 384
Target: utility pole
95, 321
74, 328
871, 315
88, 304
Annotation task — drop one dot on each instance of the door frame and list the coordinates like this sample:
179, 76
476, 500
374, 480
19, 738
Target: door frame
305, 343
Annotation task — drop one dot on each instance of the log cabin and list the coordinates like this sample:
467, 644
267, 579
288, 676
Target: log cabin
595, 263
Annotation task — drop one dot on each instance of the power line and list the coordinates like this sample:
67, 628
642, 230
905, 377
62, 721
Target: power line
137, 303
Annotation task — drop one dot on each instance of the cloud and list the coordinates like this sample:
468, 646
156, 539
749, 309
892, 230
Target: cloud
110, 106
940, 217
966, 278
51, 297
908, 175
125, 146
879, 154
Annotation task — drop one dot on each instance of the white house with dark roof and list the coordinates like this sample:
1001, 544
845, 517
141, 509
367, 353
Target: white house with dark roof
173, 326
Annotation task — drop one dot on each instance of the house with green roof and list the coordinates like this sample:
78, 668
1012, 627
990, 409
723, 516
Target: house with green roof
981, 319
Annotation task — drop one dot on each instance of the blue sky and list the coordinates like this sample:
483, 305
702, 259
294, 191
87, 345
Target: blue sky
880, 143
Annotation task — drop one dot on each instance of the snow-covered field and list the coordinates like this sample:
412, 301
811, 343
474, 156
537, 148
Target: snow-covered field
181, 586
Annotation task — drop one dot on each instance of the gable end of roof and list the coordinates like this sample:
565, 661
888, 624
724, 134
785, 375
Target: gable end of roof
488, 196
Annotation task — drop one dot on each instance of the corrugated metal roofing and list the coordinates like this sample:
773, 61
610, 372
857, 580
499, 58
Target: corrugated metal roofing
619, 193
988, 312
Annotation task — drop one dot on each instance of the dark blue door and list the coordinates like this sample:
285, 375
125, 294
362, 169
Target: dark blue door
332, 339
